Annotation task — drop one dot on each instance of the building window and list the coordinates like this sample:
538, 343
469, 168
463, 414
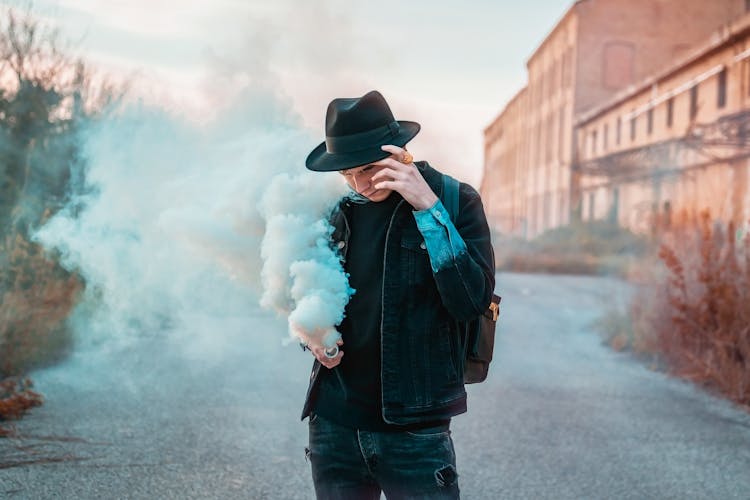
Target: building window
670, 111
542, 87
721, 95
593, 143
693, 101
650, 121
632, 129
667, 221
563, 66
550, 134
552, 80
614, 208
568, 69
618, 130
605, 137
561, 136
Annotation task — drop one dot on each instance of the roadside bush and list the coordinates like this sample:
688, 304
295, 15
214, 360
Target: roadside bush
591, 247
16, 397
691, 310
707, 295
46, 97
37, 297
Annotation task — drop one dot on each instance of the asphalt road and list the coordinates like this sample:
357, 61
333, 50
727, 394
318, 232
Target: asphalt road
561, 417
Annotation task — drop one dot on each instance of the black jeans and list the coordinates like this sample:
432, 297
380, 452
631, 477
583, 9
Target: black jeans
350, 464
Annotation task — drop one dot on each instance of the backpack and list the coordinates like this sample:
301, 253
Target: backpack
480, 337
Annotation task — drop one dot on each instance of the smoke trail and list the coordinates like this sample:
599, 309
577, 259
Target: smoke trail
166, 224
176, 228
166, 232
302, 276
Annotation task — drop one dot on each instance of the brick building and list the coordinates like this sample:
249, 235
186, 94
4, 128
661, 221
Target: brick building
679, 140
598, 49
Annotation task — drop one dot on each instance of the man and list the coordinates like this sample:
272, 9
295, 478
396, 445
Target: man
380, 417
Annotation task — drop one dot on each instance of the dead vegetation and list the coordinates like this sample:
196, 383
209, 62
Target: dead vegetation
16, 397
47, 97
583, 247
38, 298
708, 297
691, 314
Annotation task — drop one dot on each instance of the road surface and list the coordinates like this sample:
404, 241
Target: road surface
560, 417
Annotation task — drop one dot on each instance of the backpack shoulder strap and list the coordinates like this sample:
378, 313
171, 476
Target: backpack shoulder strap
450, 196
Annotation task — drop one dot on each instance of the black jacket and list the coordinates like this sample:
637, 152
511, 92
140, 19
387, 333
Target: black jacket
423, 330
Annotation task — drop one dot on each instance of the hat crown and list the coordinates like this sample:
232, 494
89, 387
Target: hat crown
352, 115
356, 129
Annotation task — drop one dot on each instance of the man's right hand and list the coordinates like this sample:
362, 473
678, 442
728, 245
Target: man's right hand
319, 352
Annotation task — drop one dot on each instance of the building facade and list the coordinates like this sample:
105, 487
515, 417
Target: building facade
597, 50
680, 141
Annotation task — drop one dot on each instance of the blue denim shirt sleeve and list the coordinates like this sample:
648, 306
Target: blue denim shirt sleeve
441, 238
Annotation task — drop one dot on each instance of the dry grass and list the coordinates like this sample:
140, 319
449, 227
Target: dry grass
692, 309
16, 398
38, 297
707, 337
591, 247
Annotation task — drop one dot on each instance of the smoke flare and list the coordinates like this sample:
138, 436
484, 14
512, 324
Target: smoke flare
302, 275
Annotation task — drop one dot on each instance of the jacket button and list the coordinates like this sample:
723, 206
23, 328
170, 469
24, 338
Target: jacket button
423, 246
341, 244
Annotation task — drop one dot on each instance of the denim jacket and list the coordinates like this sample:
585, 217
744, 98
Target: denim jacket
438, 274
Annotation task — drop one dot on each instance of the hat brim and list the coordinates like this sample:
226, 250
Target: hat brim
320, 160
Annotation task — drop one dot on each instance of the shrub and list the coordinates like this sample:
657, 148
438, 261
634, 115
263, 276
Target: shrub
16, 398
37, 298
691, 312
707, 337
591, 247
46, 98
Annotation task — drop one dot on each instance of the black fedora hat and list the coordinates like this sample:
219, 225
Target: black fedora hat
356, 127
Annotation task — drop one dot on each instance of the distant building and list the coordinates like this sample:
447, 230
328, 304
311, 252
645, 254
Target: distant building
597, 50
678, 140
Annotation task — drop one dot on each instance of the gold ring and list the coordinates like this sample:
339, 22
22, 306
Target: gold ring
408, 158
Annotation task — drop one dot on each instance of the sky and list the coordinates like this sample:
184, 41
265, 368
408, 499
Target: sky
449, 65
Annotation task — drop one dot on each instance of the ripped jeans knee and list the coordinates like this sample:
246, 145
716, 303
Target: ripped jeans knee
446, 476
